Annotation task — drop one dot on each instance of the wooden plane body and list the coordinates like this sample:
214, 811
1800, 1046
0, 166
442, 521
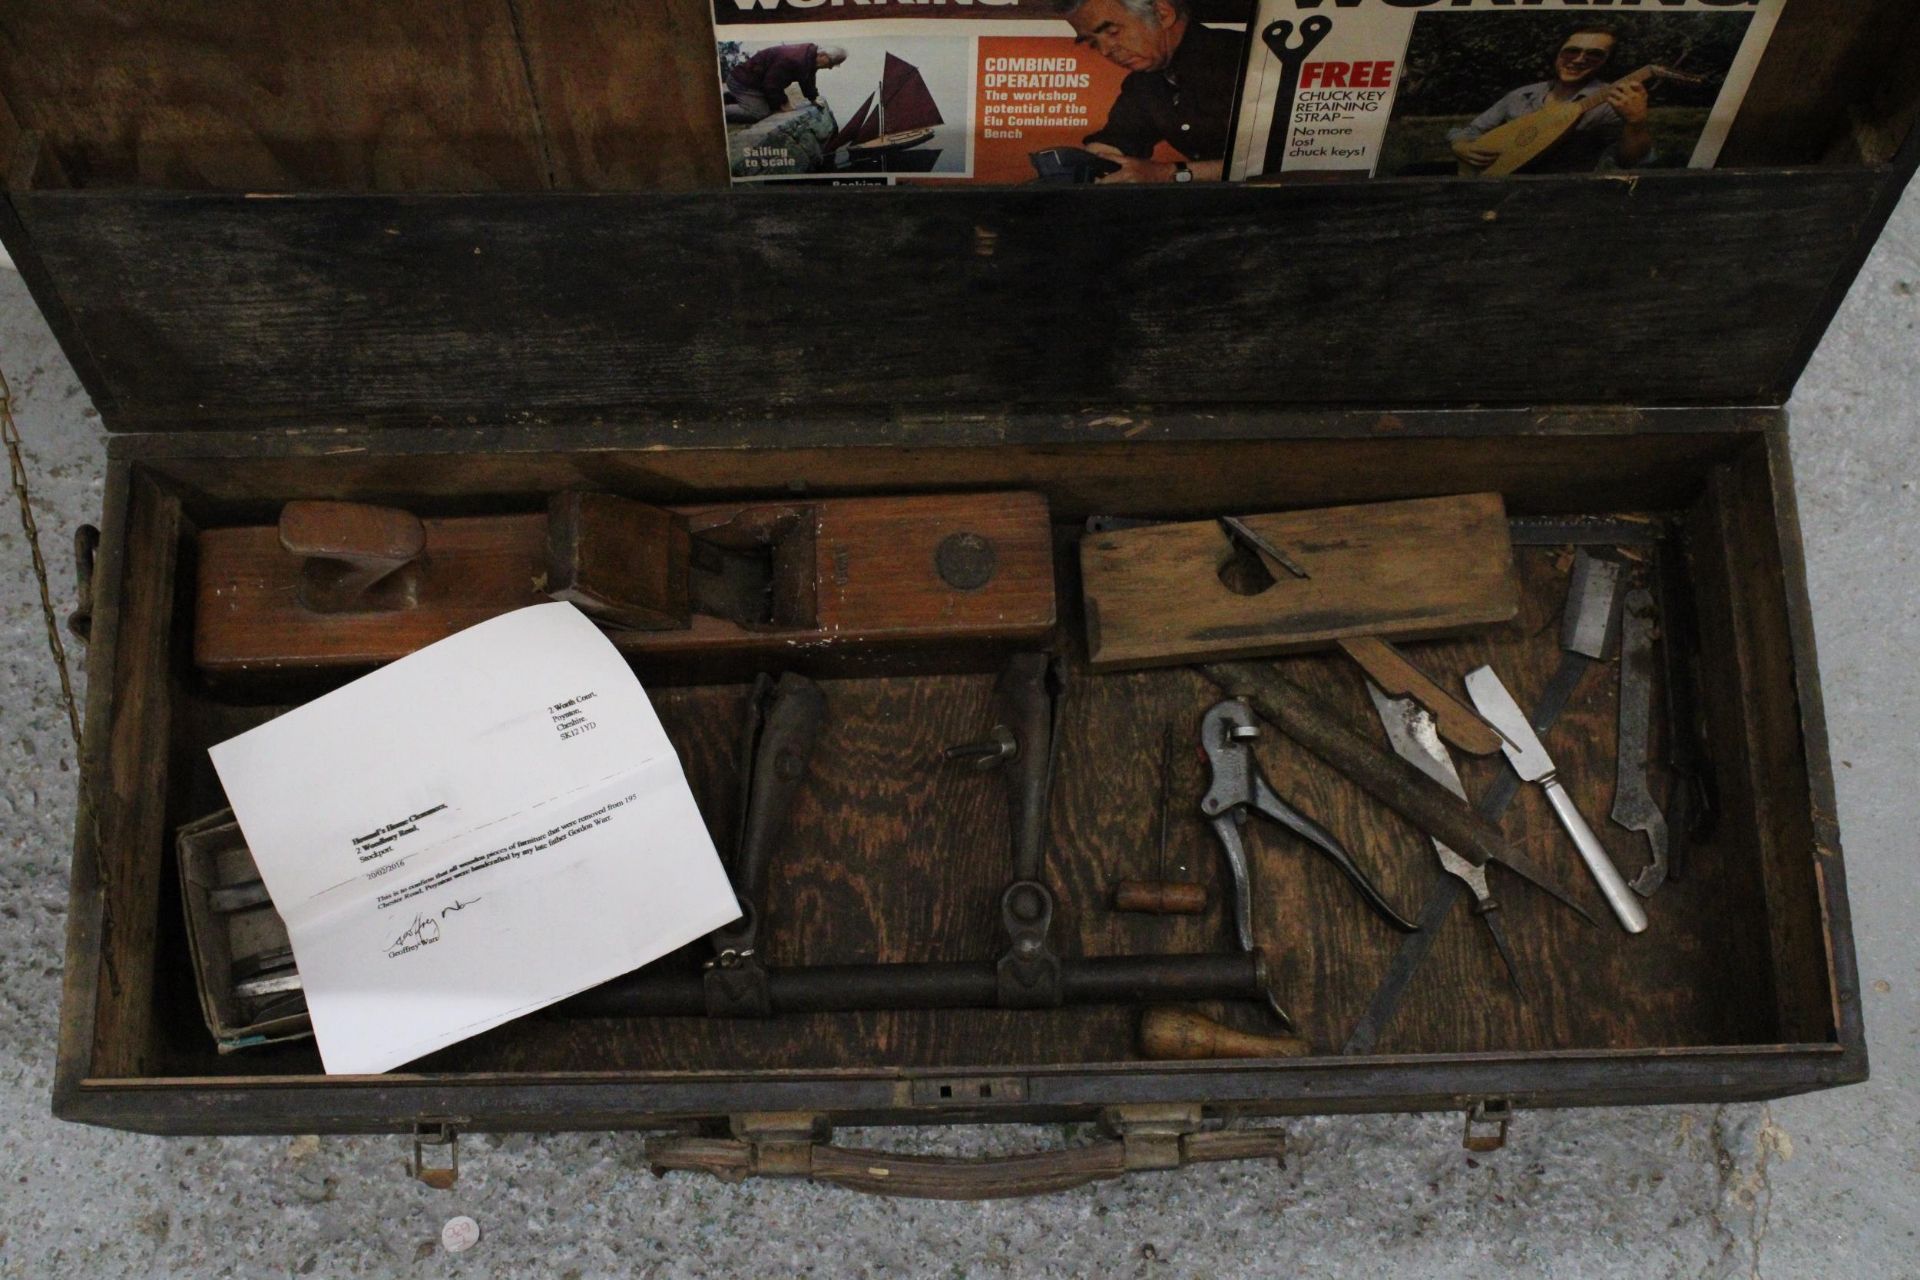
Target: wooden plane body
851, 580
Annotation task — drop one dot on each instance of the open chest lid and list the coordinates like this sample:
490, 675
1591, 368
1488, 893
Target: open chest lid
485, 212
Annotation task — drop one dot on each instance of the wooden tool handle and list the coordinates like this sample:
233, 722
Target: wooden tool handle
1168, 1035
1160, 897
1455, 720
349, 547
1386, 777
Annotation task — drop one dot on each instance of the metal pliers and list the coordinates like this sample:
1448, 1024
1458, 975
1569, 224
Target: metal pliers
1239, 787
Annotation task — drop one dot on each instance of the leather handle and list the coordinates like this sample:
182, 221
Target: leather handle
351, 548
924, 1177
884, 1173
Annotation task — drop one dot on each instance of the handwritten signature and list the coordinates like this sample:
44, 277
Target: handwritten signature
457, 906
421, 932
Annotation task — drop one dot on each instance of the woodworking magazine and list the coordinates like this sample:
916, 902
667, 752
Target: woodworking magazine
987, 91
1405, 88
1172, 91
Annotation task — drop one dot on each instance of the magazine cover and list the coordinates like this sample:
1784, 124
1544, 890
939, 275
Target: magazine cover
989, 91
1480, 87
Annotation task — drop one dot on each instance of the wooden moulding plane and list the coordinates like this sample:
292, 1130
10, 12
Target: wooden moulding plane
836, 585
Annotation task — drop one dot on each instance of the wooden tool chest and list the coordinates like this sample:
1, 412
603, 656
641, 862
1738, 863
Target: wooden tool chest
461, 256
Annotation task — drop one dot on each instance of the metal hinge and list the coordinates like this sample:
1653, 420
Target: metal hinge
86, 548
438, 1131
1487, 1121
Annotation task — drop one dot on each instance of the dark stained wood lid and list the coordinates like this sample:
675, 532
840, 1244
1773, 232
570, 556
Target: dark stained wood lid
550, 288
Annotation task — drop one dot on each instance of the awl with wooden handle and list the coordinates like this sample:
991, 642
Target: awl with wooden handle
1173, 1035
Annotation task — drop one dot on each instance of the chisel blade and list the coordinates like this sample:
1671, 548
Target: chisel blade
1587, 624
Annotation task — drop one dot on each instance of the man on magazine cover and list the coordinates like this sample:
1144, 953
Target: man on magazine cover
757, 88
1180, 90
1611, 137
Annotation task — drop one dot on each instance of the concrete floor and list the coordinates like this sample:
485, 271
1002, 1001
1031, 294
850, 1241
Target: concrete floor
1825, 1185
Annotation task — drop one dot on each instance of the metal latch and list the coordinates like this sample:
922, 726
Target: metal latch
1153, 1135
1487, 1122
435, 1133
960, 1091
780, 1143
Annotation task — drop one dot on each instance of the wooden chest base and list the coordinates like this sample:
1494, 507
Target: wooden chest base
1742, 988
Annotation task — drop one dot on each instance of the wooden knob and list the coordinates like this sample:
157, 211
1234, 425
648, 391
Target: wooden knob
1176, 1035
350, 549
1160, 897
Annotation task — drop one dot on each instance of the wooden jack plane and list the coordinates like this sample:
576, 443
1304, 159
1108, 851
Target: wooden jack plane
834, 584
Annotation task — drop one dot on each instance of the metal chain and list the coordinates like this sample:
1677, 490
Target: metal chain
11, 432
89, 816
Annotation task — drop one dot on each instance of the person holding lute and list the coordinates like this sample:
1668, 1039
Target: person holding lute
1611, 134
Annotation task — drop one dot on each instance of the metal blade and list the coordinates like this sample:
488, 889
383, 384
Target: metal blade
1522, 746
1528, 870
1560, 689
1411, 730
1406, 962
1499, 933
1264, 545
1587, 624
1416, 739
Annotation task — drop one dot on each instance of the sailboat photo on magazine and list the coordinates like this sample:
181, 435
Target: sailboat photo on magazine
988, 91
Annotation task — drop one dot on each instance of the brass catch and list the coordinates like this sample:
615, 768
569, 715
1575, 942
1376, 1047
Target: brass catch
435, 1133
1488, 1113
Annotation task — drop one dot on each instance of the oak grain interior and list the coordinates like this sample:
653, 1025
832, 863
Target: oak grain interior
892, 856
